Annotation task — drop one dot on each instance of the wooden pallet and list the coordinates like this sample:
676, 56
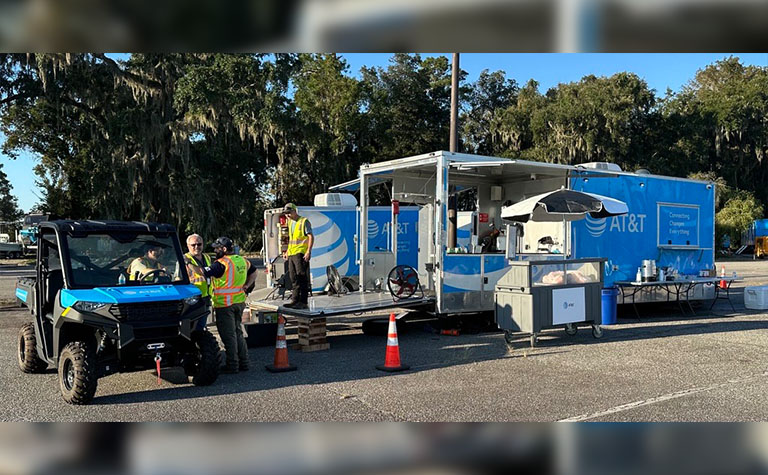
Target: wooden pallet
312, 334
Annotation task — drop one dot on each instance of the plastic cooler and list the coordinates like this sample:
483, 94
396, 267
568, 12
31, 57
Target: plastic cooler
610, 298
756, 297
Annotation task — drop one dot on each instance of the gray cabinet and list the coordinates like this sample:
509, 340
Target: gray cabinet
534, 295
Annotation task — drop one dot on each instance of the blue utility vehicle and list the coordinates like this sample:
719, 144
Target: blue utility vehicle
91, 319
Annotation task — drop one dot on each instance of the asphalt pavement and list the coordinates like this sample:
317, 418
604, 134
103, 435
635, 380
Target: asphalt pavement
664, 367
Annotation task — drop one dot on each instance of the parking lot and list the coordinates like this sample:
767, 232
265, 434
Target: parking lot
663, 367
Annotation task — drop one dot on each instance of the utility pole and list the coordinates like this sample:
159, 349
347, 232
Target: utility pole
454, 145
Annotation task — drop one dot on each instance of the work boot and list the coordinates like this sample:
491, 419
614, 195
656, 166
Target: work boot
290, 305
300, 306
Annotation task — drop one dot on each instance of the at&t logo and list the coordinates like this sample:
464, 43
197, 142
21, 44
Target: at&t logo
373, 229
628, 223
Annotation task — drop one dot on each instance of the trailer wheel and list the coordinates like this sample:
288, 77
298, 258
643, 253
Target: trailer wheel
203, 367
29, 361
77, 373
597, 331
571, 329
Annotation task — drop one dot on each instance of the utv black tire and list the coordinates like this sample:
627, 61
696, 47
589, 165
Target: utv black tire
78, 376
204, 367
29, 361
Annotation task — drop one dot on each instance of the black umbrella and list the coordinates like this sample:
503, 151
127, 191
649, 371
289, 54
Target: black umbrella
563, 205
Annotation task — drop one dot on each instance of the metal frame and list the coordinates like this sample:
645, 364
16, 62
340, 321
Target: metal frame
443, 162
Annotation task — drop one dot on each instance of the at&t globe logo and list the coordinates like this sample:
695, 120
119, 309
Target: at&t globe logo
373, 229
596, 226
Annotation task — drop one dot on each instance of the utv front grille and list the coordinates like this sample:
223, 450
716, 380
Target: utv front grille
148, 312
158, 333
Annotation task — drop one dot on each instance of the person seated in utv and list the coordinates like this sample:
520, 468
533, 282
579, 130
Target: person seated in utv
149, 262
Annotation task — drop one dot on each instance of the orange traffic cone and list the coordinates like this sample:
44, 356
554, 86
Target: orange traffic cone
723, 284
392, 359
281, 350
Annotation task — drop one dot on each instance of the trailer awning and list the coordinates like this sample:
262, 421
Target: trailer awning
351, 185
507, 165
354, 185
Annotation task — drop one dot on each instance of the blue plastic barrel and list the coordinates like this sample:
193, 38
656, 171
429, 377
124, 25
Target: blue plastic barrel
609, 301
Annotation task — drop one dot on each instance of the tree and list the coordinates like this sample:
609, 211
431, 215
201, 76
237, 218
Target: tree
487, 97
730, 101
9, 207
115, 141
329, 120
513, 125
595, 119
737, 215
207, 141
408, 105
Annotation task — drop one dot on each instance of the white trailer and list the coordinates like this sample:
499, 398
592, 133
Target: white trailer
670, 220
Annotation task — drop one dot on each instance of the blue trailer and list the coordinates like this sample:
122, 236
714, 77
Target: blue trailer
756, 236
335, 230
670, 220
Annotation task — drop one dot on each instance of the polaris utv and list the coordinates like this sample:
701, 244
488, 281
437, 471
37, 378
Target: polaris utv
92, 319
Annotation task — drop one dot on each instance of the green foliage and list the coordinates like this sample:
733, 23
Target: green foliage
208, 141
408, 107
328, 114
722, 114
9, 207
596, 119
737, 215
487, 97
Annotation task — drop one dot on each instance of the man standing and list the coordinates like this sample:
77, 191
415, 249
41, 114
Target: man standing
196, 260
231, 275
300, 241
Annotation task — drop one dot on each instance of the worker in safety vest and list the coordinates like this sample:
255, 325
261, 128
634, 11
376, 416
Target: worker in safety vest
148, 263
300, 241
196, 260
232, 275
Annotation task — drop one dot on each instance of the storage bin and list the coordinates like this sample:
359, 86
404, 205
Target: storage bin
756, 297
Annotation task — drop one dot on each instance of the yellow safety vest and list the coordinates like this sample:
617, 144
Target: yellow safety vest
148, 263
228, 289
298, 242
198, 279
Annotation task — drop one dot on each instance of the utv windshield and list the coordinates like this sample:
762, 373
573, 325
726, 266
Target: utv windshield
122, 259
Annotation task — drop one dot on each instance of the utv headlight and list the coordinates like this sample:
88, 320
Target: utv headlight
82, 306
191, 300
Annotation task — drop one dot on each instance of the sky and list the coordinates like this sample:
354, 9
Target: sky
659, 70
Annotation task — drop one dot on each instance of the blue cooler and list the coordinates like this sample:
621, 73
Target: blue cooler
610, 298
